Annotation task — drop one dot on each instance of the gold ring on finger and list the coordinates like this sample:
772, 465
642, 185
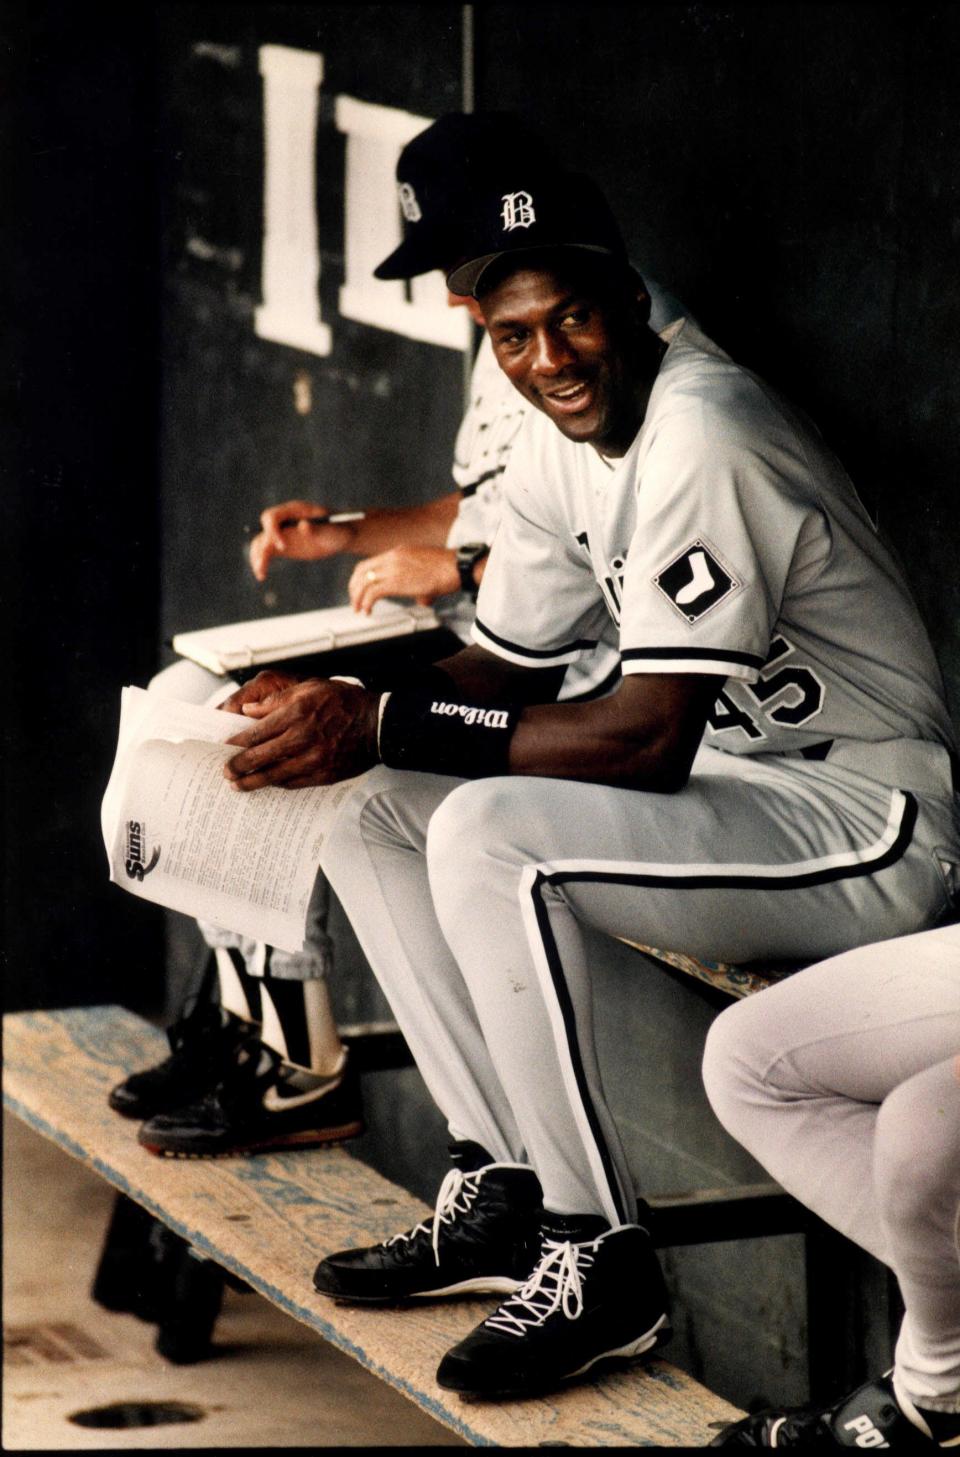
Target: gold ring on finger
371, 576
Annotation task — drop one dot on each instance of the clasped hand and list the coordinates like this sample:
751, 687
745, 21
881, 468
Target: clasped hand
314, 731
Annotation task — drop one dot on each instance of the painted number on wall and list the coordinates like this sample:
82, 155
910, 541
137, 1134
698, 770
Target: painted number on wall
290, 312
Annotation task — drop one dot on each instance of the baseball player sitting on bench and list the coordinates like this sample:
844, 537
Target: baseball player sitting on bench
844, 1081
273, 1027
772, 776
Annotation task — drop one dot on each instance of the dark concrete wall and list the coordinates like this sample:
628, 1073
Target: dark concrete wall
80, 484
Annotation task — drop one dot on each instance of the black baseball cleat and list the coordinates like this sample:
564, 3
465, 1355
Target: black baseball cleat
260, 1104
481, 1239
870, 1417
202, 1047
596, 1294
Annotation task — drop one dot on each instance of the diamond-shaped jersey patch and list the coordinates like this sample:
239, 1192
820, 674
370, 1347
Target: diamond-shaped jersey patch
695, 581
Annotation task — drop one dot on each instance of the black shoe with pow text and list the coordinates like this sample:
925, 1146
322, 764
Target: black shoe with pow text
481, 1239
869, 1417
597, 1294
260, 1104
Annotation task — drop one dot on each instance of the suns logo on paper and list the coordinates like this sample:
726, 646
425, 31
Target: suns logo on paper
134, 861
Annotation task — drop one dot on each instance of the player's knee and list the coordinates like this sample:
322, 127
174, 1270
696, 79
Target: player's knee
474, 826
733, 1060
355, 821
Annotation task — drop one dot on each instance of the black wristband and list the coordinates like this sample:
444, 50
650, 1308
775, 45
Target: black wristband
432, 728
467, 558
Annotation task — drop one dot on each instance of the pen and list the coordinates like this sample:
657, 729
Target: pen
337, 519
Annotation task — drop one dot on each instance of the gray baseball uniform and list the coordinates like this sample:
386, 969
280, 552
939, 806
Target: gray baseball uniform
485, 439
819, 812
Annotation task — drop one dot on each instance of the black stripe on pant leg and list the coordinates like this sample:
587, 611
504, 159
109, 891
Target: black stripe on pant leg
570, 1024
720, 880
703, 881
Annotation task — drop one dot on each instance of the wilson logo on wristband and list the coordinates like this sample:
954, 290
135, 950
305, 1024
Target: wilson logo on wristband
498, 718
425, 727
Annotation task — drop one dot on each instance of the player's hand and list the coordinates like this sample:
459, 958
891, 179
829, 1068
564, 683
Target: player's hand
304, 542
315, 732
267, 685
421, 572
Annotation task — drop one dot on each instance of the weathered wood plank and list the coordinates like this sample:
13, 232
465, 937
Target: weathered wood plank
270, 1218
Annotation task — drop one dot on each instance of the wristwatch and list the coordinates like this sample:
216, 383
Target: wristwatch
467, 558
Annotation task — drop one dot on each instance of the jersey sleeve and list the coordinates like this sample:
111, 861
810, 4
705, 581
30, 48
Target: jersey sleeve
721, 506
538, 604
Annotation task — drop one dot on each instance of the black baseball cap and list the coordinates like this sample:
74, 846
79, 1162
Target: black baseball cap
439, 175
546, 210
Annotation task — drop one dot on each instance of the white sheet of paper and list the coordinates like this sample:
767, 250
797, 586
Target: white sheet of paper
178, 835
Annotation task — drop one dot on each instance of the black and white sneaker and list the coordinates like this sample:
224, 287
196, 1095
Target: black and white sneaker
481, 1239
202, 1047
871, 1416
261, 1103
596, 1294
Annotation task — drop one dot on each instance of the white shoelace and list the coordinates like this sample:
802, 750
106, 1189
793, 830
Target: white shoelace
456, 1186
555, 1284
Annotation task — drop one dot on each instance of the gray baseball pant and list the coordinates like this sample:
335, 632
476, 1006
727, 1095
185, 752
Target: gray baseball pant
468, 898
844, 1082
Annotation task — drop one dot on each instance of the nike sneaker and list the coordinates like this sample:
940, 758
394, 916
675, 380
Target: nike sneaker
872, 1416
203, 1045
596, 1294
481, 1239
260, 1104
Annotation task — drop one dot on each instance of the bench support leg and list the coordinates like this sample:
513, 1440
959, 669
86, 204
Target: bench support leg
148, 1271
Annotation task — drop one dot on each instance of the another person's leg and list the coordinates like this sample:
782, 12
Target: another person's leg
917, 1176
843, 1083
289, 1082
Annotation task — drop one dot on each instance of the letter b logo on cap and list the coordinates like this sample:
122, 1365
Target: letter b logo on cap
408, 203
517, 211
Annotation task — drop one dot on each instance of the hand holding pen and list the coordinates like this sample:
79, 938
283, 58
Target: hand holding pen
302, 531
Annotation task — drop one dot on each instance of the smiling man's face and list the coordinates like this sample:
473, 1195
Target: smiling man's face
572, 349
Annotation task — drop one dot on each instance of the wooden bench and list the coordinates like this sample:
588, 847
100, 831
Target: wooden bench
267, 1220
